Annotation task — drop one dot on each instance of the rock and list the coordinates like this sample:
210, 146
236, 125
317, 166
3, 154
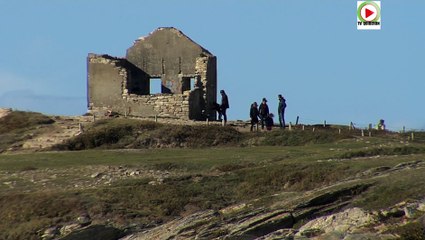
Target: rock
393, 212
333, 196
374, 171
50, 233
153, 183
233, 209
67, 229
96, 175
179, 227
84, 220
346, 221
283, 234
370, 236
421, 207
312, 232
411, 211
411, 164
266, 223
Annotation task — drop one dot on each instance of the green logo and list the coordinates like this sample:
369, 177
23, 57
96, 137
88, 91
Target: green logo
371, 5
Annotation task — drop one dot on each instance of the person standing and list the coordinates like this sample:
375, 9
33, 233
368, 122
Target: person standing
263, 111
253, 114
281, 110
223, 106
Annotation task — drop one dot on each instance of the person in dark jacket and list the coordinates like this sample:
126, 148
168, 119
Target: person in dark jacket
269, 122
253, 114
223, 106
216, 107
281, 110
263, 111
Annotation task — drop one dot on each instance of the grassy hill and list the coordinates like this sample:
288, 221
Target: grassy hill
133, 176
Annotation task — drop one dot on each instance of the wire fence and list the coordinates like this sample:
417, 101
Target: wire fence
356, 125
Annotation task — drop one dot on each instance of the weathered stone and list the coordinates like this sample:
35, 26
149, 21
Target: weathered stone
393, 212
50, 233
345, 221
371, 236
282, 234
84, 220
411, 210
96, 175
67, 229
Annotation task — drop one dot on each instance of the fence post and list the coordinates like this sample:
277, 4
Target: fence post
290, 126
303, 127
314, 129
156, 118
362, 133
370, 134
324, 123
413, 136
208, 122
339, 131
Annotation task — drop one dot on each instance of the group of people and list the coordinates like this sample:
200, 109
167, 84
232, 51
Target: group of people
258, 114
262, 114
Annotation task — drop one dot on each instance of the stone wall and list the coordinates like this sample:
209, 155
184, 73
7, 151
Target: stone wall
164, 105
110, 81
122, 85
206, 70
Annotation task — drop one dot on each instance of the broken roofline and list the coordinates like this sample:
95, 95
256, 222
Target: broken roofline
180, 33
95, 55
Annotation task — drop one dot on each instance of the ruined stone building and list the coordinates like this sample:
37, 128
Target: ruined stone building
187, 74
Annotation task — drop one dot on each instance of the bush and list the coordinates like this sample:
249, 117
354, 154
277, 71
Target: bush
405, 150
21, 120
297, 138
105, 133
123, 133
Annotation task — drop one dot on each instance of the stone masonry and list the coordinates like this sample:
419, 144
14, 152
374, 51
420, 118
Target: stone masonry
187, 73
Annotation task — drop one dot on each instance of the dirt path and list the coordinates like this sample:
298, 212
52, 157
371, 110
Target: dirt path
61, 130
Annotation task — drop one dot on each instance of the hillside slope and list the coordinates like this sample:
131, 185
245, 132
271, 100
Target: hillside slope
267, 185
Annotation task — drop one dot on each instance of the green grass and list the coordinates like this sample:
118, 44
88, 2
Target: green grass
389, 190
227, 176
212, 167
403, 150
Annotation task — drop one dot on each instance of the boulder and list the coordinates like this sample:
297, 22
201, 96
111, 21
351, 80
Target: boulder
346, 222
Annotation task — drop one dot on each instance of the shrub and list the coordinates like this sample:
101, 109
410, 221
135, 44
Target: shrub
20, 120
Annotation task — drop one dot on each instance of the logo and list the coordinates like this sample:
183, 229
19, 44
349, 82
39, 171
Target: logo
368, 15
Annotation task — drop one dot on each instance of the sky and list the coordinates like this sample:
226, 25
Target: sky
309, 51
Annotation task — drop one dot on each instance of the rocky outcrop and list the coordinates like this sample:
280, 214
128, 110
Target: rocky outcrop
346, 221
244, 221
321, 214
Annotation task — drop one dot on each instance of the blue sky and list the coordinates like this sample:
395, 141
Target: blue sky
310, 51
